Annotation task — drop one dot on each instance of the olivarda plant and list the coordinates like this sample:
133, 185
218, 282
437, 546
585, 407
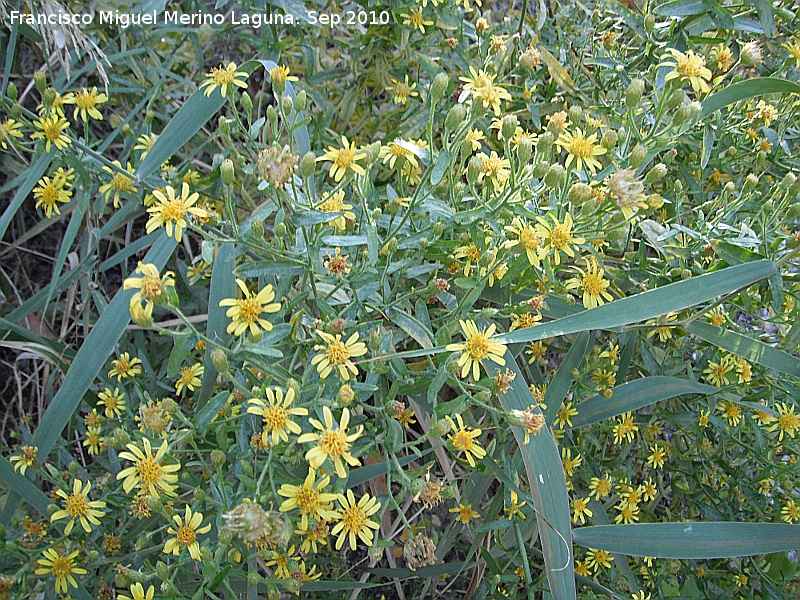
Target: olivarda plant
521, 320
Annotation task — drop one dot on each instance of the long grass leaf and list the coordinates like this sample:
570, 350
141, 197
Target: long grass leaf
35, 172
744, 90
562, 380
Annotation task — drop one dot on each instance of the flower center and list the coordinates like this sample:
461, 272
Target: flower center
402, 90
559, 237
307, 499
77, 505
473, 254
275, 417
61, 567
691, 65
337, 352
477, 346
151, 286
49, 194
334, 204
186, 535
52, 130
249, 309
463, 441
84, 100
122, 183
222, 77
592, 284
112, 402
173, 210
580, 147
354, 519
344, 157
149, 471
187, 375
333, 442
528, 238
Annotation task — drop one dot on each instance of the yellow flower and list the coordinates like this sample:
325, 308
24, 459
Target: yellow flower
189, 378
478, 346
119, 184
148, 472
186, 534
664, 327
78, 506
310, 499
600, 488
171, 211
793, 48
787, 421
598, 558
515, 507
86, 103
93, 440
395, 150
138, 593
689, 66
279, 74
569, 463
402, 90
612, 354
49, 191
624, 429
580, 510
628, 513
52, 130
717, 373
465, 440
280, 562
62, 567
473, 138
767, 112
527, 239
336, 354
151, 287
658, 454
318, 534
145, 143
471, 253
114, 402
125, 367
581, 149
335, 203
355, 519
465, 513
416, 20
276, 415
246, 313
790, 512
582, 568
557, 236
744, 370
496, 169
565, 413
343, 159
9, 128
27, 459
593, 284
480, 85
225, 79
332, 442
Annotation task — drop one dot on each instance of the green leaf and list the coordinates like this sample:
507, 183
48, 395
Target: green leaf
691, 541
682, 8
548, 490
14, 482
633, 395
766, 16
344, 240
562, 381
440, 168
75, 221
313, 217
261, 268
94, 352
35, 172
412, 327
204, 416
747, 348
733, 254
744, 90
650, 304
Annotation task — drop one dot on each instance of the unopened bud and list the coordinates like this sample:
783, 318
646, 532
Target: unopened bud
49, 97
372, 152
272, 117
300, 101
788, 181
638, 154
525, 149
11, 91
727, 192
455, 117
540, 170
546, 141
439, 87
579, 193
40, 79
277, 77
609, 139
227, 172
655, 174
634, 93
649, 22
224, 535
440, 428
218, 458
750, 182
15, 112
219, 360
247, 102
307, 165
474, 168
575, 113
508, 126
286, 104
257, 228
686, 113
556, 176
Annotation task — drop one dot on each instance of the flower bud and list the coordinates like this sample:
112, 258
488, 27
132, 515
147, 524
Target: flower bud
40, 79
546, 141
656, 174
674, 99
345, 396
686, 113
11, 91
579, 193
49, 97
455, 117
15, 112
556, 176
787, 182
300, 101
307, 164
247, 103
637, 157
439, 87
227, 172
540, 170
286, 104
634, 93
750, 182
372, 152
686, 274
440, 428
376, 214
272, 117
508, 126
483, 396
257, 229
609, 139
649, 22
219, 360
751, 54
525, 149
575, 113
162, 570
474, 168
280, 229
278, 79
218, 458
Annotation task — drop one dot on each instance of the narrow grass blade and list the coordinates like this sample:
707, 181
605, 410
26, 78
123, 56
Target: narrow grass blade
748, 348
562, 381
75, 221
634, 395
744, 90
34, 174
223, 285
548, 490
693, 541
14, 482
91, 357
649, 304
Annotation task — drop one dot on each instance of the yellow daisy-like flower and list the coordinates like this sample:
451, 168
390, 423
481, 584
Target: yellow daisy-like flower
93, 440
336, 354
658, 454
496, 169
333, 442
50, 191
557, 236
151, 287
86, 103
114, 402
172, 212
138, 593
565, 413
277, 415
477, 347
581, 149
119, 184
593, 284
335, 203
145, 143
790, 512
245, 313
786, 422
224, 78
569, 463
355, 519
465, 513
402, 90
465, 440
416, 20
279, 75
125, 367
527, 239
514, 509
793, 48
27, 459
343, 159
625, 429
148, 471
394, 151
717, 373
52, 129
9, 129
473, 138
689, 66
186, 534
598, 558
580, 510
280, 562
600, 488
310, 499
78, 506
62, 567
189, 378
